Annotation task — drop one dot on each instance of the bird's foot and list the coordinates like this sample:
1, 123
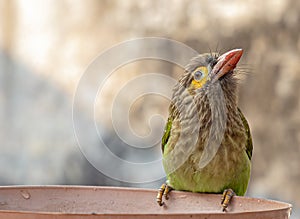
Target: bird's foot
226, 198
163, 191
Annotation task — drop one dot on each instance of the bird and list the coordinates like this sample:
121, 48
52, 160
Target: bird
207, 145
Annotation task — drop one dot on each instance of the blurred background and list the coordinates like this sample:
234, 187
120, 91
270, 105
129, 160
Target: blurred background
45, 46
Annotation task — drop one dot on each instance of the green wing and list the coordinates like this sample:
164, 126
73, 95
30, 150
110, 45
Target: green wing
167, 133
249, 145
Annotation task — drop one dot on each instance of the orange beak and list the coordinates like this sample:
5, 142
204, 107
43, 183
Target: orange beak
226, 63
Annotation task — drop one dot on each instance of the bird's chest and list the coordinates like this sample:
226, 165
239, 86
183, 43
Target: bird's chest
209, 166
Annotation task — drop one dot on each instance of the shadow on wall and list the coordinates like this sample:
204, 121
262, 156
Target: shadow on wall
38, 145
36, 132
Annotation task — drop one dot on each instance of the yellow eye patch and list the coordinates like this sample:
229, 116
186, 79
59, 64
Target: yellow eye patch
199, 77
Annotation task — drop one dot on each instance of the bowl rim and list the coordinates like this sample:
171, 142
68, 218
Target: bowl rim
285, 206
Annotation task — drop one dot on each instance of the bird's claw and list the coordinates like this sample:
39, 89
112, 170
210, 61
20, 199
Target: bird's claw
163, 191
226, 198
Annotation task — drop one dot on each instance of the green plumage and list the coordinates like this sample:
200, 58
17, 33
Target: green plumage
209, 112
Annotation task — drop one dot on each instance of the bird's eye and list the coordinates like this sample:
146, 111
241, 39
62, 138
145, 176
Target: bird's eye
198, 75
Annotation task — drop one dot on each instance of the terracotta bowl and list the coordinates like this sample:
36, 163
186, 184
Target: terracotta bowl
59, 202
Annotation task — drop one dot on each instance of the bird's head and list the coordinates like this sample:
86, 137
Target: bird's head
208, 69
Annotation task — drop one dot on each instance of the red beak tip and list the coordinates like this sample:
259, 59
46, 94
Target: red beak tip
237, 51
